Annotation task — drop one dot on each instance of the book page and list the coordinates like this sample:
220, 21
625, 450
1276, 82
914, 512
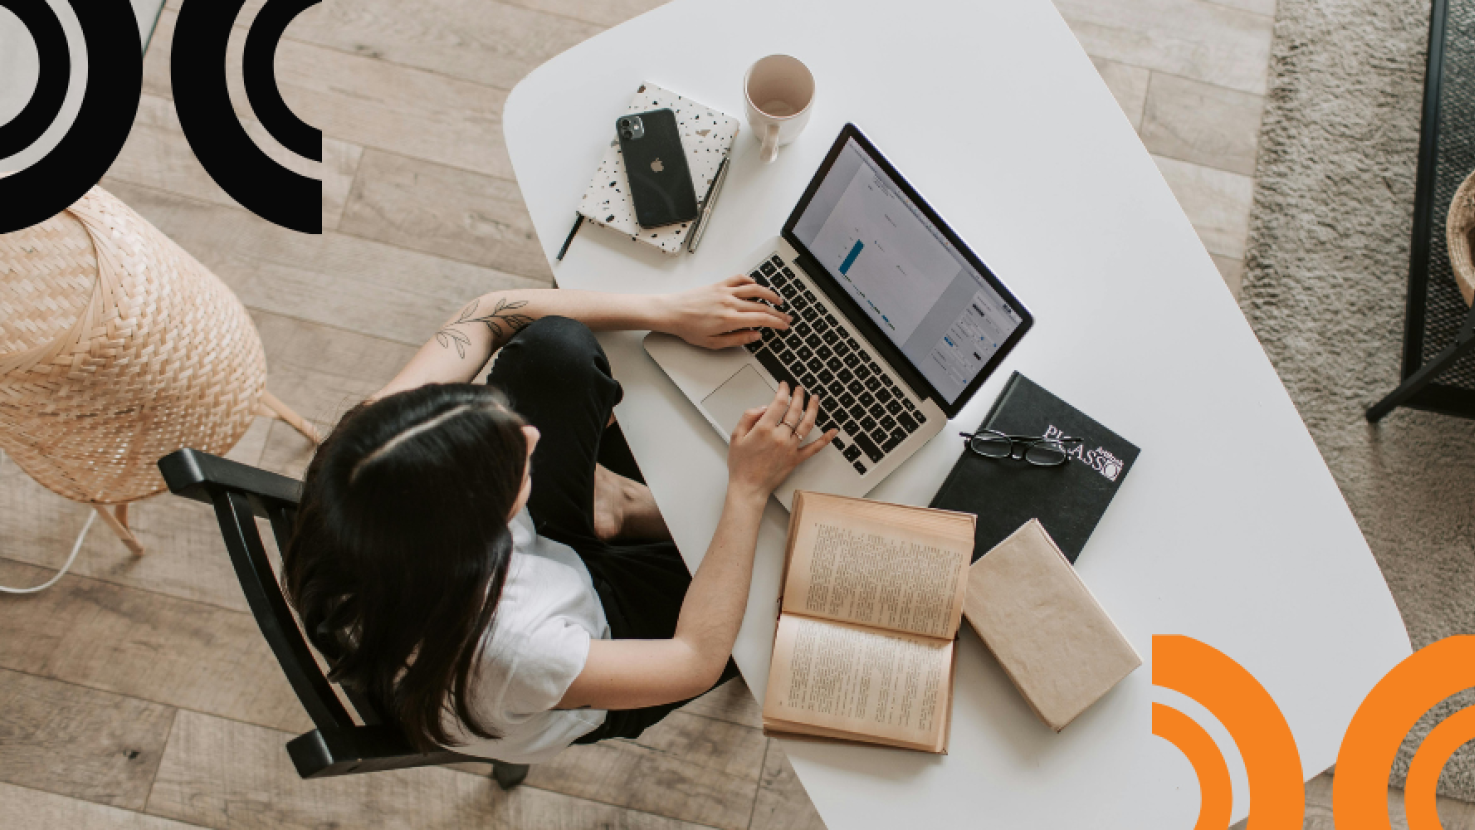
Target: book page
845, 678
804, 732
887, 566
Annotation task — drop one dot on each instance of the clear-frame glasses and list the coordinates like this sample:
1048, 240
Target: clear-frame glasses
1036, 449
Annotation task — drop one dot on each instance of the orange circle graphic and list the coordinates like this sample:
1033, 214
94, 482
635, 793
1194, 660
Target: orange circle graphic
1219, 684
1390, 710
1423, 772
1215, 793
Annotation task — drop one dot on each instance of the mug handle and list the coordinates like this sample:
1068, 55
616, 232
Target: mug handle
770, 143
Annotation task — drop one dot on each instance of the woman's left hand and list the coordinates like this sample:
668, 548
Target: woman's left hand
724, 314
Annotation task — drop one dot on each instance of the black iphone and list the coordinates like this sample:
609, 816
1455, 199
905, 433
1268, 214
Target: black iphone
655, 164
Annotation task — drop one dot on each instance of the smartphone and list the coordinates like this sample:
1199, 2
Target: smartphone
655, 164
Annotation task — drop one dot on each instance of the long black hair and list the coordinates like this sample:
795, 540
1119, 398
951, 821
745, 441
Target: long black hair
401, 548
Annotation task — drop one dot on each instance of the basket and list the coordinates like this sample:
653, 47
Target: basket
1459, 231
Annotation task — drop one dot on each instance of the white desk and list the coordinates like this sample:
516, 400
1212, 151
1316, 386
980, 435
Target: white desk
1229, 529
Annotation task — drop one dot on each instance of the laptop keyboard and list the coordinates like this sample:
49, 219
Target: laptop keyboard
857, 395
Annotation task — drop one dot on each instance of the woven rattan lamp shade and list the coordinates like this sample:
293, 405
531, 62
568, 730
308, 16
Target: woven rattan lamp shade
117, 348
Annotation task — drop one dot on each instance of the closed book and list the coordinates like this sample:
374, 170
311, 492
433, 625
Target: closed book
1047, 630
1068, 499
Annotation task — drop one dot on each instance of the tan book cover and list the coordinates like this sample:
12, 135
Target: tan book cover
1049, 633
871, 605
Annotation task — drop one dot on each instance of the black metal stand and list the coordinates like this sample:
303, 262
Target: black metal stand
1464, 344
1437, 316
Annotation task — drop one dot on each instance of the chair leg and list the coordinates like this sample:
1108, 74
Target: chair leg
509, 775
277, 409
118, 521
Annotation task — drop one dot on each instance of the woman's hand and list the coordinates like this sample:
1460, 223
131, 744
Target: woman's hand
768, 442
721, 315
630, 674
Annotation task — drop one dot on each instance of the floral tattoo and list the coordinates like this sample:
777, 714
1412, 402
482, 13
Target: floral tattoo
504, 315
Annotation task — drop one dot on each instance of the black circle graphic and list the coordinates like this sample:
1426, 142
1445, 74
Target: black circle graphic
114, 83
261, 82
51, 86
228, 154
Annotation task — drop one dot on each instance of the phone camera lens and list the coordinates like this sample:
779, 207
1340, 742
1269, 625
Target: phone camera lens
630, 128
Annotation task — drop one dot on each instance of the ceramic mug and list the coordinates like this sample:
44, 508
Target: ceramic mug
779, 91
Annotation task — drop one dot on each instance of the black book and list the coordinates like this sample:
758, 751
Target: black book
1068, 499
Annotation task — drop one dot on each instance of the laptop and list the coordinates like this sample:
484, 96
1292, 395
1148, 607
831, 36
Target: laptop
896, 324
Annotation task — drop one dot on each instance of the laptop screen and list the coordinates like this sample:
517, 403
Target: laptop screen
904, 273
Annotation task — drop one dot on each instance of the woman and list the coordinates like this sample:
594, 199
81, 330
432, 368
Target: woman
464, 560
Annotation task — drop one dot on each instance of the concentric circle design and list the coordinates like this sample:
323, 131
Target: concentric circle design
198, 74
1390, 710
109, 103
1265, 742
55, 57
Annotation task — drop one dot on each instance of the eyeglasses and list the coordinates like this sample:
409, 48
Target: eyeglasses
1037, 450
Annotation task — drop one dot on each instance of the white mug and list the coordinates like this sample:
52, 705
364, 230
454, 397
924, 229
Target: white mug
779, 91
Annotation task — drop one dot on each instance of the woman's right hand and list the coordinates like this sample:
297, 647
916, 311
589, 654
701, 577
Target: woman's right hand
728, 313
768, 442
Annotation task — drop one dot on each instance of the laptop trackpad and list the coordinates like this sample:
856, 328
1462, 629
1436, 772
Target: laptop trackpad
743, 391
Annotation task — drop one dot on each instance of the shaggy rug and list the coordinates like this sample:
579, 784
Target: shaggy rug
1324, 290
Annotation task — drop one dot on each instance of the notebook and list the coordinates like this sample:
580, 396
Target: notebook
707, 136
1068, 499
1042, 623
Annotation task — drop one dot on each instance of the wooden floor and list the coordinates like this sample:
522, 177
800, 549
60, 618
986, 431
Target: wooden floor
138, 693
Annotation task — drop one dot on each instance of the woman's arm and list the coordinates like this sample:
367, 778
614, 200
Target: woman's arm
714, 316
629, 674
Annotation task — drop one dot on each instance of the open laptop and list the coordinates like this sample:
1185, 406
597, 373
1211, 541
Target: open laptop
896, 324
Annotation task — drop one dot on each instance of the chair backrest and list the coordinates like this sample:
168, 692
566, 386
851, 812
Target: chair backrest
239, 494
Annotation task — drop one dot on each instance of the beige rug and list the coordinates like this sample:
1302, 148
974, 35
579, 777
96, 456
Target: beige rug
1324, 291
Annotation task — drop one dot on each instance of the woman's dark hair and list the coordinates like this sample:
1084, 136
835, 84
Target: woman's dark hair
401, 548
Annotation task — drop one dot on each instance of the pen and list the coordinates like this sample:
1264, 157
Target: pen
578, 223
701, 226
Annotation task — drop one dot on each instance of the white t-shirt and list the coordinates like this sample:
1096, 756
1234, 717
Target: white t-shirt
537, 645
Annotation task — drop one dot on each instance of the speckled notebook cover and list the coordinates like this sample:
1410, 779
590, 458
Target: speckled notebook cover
707, 136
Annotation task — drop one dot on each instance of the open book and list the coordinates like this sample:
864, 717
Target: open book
872, 599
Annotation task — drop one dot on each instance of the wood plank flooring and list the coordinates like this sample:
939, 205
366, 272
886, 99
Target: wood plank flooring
137, 693
100, 746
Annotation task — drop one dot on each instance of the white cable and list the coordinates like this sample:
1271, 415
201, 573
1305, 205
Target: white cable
64, 568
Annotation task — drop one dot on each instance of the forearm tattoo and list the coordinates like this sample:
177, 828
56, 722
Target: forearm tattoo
502, 322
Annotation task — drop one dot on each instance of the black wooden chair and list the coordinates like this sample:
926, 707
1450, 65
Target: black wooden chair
339, 745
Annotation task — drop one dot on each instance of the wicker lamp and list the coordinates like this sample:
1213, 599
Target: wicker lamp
1459, 234
117, 348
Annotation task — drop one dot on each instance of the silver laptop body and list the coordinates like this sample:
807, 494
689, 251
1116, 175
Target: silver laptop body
870, 231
